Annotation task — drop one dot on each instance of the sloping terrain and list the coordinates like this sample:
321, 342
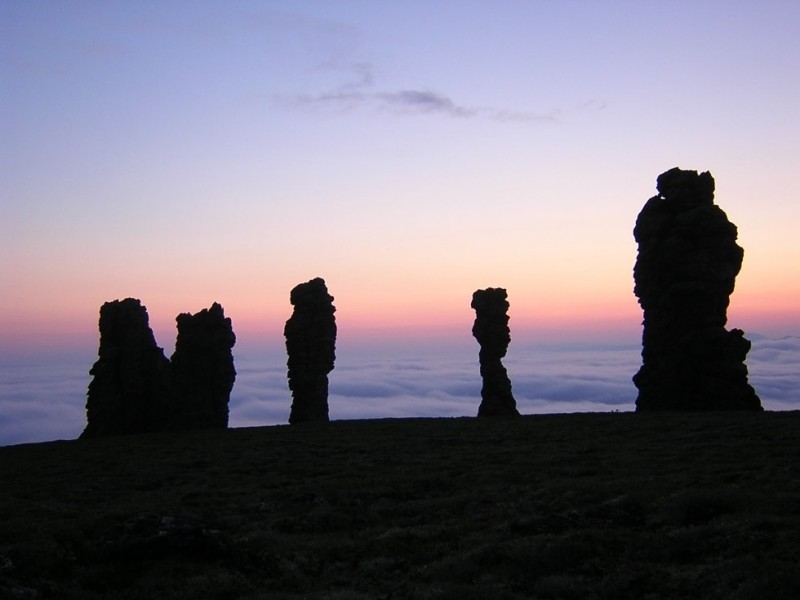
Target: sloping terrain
612, 505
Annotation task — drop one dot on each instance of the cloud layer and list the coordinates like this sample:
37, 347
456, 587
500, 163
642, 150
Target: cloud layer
43, 398
774, 371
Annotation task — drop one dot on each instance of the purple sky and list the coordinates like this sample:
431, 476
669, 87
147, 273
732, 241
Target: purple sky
186, 152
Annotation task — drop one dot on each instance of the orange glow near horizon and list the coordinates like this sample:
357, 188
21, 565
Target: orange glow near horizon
548, 301
769, 315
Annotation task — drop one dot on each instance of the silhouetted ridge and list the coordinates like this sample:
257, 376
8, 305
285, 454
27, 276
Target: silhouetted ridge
493, 334
684, 274
202, 368
136, 389
131, 390
311, 348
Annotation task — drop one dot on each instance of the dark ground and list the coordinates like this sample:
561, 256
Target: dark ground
565, 506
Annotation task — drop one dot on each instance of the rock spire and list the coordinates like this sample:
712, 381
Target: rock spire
684, 275
131, 389
493, 334
202, 369
136, 389
311, 347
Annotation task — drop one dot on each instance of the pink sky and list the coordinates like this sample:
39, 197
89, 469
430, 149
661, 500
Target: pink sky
189, 153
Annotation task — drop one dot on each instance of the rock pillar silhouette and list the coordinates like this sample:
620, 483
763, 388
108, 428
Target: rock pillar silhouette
130, 391
202, 369
684, 274
311, 348
493, 334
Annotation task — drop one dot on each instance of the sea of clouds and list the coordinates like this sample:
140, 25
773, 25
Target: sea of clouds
42, 396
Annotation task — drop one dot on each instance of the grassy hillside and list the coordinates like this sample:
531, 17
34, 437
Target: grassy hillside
562, 506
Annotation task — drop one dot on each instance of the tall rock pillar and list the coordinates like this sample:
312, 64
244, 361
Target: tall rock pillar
202, 369
311, 348
130, 391
684, 275
493, 334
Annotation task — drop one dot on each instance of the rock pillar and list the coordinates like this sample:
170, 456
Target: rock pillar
202, 369
493, 334
130, 391
684, 275
310, 344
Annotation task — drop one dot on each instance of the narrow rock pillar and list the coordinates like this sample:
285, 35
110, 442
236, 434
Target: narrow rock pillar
311, 348
493, 334
202, 369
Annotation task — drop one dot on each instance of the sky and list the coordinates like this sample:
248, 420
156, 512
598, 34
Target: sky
409, 153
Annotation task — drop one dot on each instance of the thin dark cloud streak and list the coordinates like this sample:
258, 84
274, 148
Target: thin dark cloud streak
358, 94
424, 102
406, 102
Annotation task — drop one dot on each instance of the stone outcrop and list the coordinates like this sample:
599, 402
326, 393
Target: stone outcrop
311, 348
202, 369
131, 390
493, 334
684, 275
136, 389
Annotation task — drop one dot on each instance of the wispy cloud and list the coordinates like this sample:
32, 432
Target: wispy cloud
358, 93
406, 102
425, 102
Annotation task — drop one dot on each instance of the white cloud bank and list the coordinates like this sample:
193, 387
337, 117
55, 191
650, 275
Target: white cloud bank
44, 398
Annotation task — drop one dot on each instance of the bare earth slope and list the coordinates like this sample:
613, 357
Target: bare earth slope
562, 506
